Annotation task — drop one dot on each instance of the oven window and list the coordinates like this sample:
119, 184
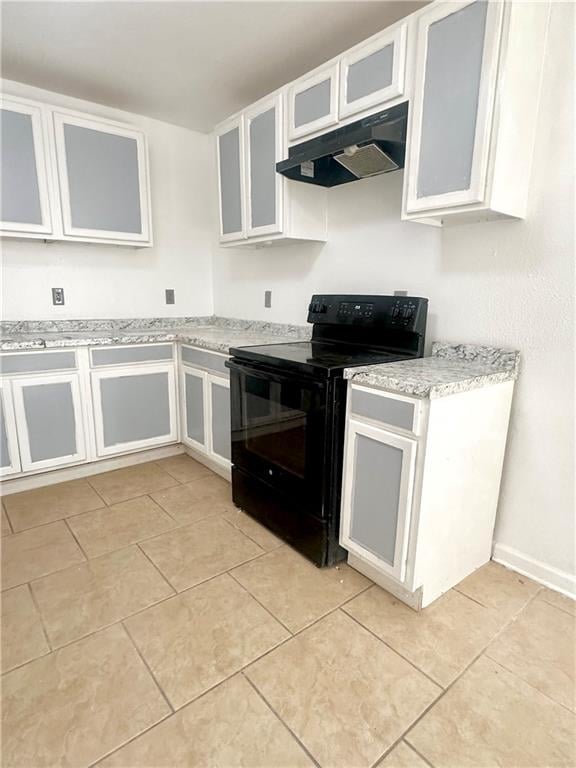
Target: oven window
277, 417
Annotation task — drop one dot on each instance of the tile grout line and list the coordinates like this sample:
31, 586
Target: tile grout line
268, 611
390, 648
450, 686
40, 618
153, 564
156, 681
10, 526
420, 755
76, 540
275, 713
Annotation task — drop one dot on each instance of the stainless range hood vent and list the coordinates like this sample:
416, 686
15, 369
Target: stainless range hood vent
368, 160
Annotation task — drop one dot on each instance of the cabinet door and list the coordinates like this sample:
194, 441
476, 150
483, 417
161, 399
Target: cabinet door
229, 149
373, 73
9, 454
49, 421
263, 124
453, 103
220, 429
194, 398
24, 199
313, 103
377, 496
103, 175
134, 408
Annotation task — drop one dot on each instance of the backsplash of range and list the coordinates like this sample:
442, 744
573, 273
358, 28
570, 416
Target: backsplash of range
288, 406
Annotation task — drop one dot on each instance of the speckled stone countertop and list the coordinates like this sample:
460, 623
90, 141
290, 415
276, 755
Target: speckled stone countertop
451, 368
214, 333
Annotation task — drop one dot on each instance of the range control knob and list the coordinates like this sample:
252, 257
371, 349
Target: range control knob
323, 309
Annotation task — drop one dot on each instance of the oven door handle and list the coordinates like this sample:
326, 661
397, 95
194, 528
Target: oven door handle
263, 372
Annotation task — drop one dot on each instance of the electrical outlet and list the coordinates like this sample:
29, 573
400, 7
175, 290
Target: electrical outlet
267, 299
170, 299
400, 293
58, 297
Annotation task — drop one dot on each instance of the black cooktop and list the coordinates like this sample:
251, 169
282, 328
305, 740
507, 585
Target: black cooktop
316, 358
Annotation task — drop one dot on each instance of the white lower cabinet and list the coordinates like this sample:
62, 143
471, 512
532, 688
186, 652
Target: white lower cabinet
205, 409
134, 408
49, 421
9, 453
377, 496
420, 486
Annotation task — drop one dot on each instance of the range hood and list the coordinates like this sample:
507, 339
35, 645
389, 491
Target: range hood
368, 147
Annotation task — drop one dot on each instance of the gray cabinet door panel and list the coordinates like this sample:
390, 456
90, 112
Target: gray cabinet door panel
123, 355
37, 361
221, 435
388, 410
135, 407
451, 96
376, 497
194, 402
4, 450
230, 181
19, 189
370, 74
312, 103
50, 420
263, 169
103, 180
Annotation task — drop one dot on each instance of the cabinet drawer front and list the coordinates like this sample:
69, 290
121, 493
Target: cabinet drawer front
199, 358
38, 361
126, 355
387, 410
135, 408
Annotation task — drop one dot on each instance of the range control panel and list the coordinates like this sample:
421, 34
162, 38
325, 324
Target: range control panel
401, 312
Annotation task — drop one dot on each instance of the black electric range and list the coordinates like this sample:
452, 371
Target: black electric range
288, 407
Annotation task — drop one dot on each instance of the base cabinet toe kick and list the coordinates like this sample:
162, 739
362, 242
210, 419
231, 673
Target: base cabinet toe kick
420, 486
61, 409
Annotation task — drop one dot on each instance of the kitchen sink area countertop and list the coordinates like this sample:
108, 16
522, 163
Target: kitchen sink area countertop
217, 334
450, 369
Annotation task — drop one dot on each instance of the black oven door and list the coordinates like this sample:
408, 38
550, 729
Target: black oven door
279, 431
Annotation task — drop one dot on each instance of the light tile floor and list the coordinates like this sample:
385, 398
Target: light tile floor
147, 623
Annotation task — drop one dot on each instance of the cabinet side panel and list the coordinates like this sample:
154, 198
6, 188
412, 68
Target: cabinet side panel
50, 420
465, 447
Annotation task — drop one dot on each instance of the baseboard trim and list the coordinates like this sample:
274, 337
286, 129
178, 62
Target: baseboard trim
560, 581
40, 480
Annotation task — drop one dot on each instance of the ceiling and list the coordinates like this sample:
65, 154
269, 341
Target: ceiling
188, 63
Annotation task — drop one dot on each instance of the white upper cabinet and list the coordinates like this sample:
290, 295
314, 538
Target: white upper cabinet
313, 102
24, 196
372, 73
230, 151
474, 108
103, 177
257, 204
264, 143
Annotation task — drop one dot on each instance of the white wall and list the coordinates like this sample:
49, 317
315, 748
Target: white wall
118, 281
504, 283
